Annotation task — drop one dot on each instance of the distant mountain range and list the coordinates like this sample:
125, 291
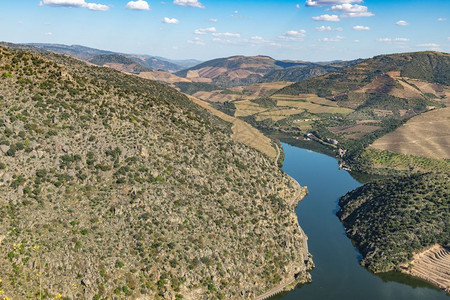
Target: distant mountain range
244, 70
148, 61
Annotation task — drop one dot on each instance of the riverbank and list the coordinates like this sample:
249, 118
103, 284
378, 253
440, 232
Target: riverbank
293, 279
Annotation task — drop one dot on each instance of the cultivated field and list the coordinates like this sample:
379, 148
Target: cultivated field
426, 135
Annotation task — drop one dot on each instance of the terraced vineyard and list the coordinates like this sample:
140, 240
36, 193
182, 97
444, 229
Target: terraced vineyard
431, 265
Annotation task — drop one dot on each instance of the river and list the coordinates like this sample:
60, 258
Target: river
337, 274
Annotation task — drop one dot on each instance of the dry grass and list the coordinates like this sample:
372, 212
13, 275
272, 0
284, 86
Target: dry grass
247, 108
432, 265
278, 114
216, 96
242, 131
163, 76
426, 135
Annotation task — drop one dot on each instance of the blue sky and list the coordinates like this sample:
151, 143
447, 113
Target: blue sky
313, 30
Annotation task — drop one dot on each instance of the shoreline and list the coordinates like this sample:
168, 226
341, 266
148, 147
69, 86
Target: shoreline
291, 282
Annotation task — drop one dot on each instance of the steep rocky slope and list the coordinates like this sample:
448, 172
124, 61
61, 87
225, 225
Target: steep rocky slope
113, 187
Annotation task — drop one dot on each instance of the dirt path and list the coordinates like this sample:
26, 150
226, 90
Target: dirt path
432, 265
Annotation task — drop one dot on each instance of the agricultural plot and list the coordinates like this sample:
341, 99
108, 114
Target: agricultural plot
426, 135
278, 114
247, 108
313, 107
354, 131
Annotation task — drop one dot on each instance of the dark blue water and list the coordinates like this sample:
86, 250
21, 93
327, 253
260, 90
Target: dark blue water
337, 274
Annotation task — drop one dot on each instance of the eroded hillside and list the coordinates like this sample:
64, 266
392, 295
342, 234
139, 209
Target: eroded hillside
113, 186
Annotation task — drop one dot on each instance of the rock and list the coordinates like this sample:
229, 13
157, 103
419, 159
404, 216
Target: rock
4, 148
7, 177
143, 151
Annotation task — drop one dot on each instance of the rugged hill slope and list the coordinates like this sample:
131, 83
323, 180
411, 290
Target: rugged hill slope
244, 70
118, 62
117, 186
391, 219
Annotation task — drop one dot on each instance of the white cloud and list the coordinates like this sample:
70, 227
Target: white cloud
355, 41
170, 20
428, 45
349, 10
213, 20
256, 38
324, 28
402, 23
205, 30
319, 3
192, 3
328, 28
138, 5
74, 3
64, 3
330, 18
227, 34
197, 41
297, 5
361, 28
442, 19
389, 40
335, 39
293, 35
97, 6
49, 33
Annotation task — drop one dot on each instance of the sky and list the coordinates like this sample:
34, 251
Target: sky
311, 30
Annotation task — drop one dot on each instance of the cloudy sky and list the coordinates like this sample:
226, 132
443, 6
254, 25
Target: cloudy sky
314, 30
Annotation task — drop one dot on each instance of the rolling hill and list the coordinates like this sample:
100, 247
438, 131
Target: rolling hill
244, 70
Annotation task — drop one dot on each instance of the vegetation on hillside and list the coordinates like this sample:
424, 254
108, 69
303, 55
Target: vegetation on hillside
113, 186
392, 218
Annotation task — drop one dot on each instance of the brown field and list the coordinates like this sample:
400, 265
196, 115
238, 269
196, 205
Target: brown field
243, 132
247, 108
432, 265
216, 96
162, 76
426, 135
408, 91
278, 114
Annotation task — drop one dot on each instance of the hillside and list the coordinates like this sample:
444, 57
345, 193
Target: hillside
245, 70
113, 186
118, 62
392, 219
87, 53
